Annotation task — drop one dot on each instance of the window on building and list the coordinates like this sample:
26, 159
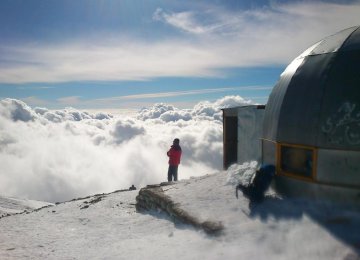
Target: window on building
297, 161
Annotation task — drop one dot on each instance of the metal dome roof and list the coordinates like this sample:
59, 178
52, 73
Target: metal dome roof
316, 101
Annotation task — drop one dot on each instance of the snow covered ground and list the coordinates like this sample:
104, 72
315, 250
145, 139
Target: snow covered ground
10, 206
108, 227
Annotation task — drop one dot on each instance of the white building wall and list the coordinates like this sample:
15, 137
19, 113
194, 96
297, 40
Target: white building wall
250, 126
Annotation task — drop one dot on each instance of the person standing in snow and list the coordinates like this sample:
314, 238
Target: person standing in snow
174, 155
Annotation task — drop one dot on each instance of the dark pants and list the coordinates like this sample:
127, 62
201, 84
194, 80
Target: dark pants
172, 172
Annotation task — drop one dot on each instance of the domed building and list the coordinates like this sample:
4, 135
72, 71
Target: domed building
311, 130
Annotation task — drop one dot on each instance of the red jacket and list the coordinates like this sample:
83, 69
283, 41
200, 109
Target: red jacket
174, 155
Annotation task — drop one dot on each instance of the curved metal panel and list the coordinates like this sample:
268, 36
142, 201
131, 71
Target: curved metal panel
301, 106
316, 103
340, 116
314, 93
334, 42
268, 152
273, 107
353, 42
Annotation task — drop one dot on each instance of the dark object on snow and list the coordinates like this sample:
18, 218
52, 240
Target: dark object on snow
132, 187
256, 189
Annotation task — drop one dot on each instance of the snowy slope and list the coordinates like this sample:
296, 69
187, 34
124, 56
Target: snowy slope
10, 206
108, 227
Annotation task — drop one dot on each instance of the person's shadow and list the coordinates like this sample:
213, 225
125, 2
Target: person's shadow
274, 207
342, 222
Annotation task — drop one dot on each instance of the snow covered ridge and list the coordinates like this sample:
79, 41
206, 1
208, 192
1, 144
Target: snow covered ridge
58, 155
10, 206
15, 206
108, 226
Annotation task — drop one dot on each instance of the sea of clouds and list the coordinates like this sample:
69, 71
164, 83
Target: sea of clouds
59, 155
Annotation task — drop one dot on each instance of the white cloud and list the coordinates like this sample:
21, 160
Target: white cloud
215, 39
154, 112
69, 101
185, 21
35, 88
126, 130
16, 110
33, 100
56, 155
122, 60
181, 93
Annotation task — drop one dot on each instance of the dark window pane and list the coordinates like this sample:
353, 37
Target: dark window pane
298, 161
231, 140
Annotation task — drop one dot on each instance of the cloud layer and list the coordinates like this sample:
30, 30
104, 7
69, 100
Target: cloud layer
58, 155
203, 43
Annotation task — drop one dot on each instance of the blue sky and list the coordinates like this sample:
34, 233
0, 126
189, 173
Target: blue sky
133, 53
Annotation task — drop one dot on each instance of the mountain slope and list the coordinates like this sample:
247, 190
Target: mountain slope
109, 227
9, 206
